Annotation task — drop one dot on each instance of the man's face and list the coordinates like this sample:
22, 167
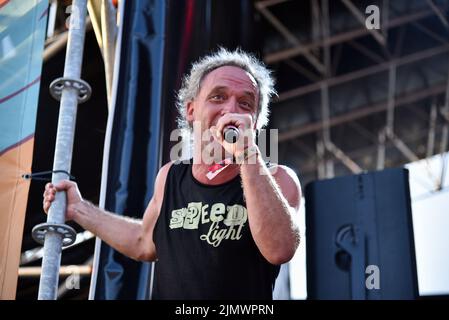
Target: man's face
227, 89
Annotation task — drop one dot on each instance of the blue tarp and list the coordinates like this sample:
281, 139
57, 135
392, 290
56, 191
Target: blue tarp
134, 156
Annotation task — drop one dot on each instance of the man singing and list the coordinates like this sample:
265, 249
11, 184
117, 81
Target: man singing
216, 229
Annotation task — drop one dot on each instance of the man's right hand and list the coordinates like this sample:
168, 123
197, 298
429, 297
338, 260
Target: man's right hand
73, 196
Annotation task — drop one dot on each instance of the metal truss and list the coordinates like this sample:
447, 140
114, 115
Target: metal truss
318, 60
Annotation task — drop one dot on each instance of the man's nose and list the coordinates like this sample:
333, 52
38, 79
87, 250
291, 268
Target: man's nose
231, 106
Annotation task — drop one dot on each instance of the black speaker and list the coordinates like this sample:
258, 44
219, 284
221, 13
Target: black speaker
359, 235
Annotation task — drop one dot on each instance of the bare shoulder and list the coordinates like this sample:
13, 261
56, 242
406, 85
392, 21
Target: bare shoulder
284, 173
288, 182
159, 185
151, 215
163, 171
155, 203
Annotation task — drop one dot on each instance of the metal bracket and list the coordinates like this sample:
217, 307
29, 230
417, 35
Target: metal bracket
59, 84
67, 232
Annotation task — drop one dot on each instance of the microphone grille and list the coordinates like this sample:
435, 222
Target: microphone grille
231, 134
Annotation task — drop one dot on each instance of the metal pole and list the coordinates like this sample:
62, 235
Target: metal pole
71, 90
109, 35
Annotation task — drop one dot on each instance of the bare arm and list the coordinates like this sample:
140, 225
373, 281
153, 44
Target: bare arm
270, 215
131, 237
271, 197
145, 243
121, 233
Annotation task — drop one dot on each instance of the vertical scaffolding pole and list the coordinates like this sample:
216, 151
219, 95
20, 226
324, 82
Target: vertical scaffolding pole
70, 90
325, 108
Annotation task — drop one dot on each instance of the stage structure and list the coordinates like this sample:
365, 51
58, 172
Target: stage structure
351, 98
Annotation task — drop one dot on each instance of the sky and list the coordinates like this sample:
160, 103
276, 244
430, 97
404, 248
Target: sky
430, 212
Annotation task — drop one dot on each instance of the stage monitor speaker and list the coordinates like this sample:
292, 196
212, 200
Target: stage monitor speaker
360, 237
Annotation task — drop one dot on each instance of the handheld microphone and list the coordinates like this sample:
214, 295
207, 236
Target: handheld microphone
231, 134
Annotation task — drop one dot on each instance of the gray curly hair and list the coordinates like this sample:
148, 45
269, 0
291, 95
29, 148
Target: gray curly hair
238, 58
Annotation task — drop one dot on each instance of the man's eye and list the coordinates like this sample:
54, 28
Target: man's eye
245, 104
217, 97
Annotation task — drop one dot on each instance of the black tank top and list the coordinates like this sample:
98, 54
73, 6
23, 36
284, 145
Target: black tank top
204, 245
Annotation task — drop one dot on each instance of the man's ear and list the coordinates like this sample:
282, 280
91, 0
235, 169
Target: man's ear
190, 110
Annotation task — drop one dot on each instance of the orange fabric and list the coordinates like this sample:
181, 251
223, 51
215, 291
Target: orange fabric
13, 203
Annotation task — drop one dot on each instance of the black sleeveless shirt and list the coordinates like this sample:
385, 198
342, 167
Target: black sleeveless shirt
204, 245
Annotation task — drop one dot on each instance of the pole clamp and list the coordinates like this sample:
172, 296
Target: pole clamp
68, 233
59, 84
